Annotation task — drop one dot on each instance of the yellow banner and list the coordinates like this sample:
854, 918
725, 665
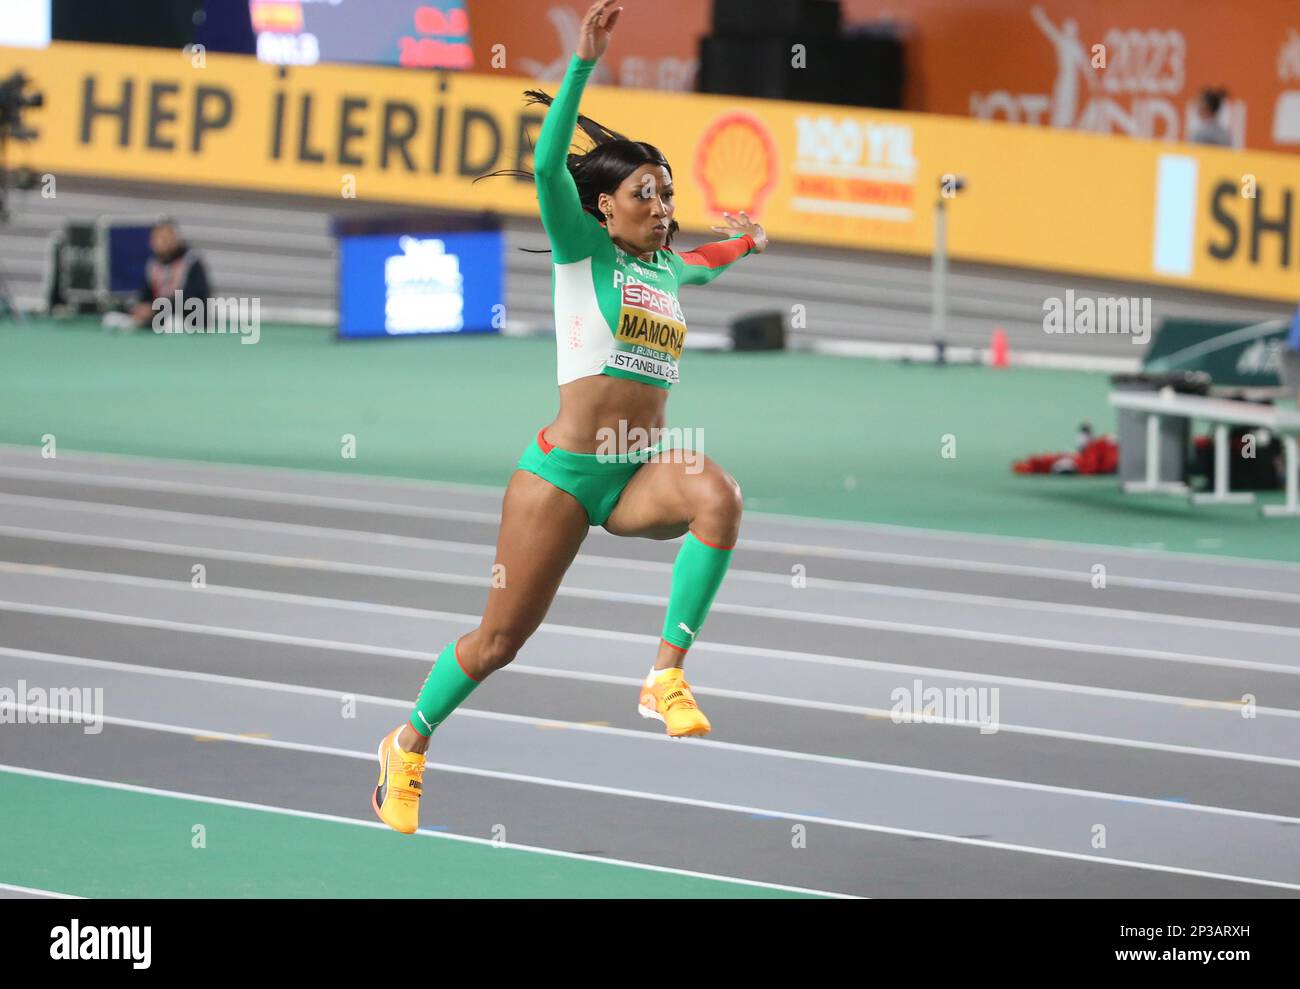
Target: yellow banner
851, 177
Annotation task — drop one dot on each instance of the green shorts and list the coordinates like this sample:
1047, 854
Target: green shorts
596, 481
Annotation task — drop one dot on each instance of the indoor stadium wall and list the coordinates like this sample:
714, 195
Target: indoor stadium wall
278, 248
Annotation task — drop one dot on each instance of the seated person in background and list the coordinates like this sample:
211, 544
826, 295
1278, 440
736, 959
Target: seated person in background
1208, 130
174, 266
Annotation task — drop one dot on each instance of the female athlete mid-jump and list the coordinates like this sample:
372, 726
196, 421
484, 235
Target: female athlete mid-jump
619, 332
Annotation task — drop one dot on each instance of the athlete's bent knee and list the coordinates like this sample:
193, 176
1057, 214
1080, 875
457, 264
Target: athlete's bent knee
720, 499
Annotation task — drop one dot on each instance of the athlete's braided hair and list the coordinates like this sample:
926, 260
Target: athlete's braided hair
602, 169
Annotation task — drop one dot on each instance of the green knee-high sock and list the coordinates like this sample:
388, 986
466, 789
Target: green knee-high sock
697, 575
445, 687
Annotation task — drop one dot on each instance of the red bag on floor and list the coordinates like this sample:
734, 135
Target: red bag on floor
1099, 456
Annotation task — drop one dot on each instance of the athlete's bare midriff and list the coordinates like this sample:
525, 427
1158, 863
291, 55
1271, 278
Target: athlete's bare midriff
599, 402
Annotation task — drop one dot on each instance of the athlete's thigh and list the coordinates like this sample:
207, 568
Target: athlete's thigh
541, 531
660, 500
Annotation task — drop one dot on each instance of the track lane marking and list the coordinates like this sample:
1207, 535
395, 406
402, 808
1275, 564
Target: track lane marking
427, 657
822, 583
744, 610
880, 714
995, 544
638, 735
793, 549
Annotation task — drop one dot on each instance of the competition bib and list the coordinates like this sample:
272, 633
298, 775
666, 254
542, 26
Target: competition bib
651, 333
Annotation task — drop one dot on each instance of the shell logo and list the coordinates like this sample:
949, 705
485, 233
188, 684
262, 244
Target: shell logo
736, 163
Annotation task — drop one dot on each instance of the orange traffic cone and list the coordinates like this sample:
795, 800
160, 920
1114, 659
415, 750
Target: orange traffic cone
999, 350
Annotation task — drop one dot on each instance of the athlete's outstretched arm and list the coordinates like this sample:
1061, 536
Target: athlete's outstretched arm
707, 262
567, 224
557, 194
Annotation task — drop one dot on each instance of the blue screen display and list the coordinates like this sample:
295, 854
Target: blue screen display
400, 285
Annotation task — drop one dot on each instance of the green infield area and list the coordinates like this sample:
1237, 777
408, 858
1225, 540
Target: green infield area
804, 434
150, 845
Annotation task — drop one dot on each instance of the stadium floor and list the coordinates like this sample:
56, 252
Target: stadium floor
243, 715
806, 434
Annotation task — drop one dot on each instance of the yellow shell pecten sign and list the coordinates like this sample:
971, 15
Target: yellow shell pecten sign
736, 164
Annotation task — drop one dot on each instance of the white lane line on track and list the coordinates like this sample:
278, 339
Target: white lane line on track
427, 657
864, 623
996, 544
437, 576
40, 892
633, 682
379, 825
1080, 577
253, 494
1232, 707
274, 686
325, 477
793, 549
686, 801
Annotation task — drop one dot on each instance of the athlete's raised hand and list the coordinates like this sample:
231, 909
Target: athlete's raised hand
597, 25
744, 225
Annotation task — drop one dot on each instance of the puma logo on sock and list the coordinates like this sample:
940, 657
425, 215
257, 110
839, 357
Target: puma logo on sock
682, 626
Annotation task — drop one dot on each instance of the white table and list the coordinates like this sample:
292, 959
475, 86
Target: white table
1223, 413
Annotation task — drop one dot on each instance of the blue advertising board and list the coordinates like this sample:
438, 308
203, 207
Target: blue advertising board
420, 283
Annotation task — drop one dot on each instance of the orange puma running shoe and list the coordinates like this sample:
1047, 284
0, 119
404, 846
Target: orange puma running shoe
667, 697
401, 781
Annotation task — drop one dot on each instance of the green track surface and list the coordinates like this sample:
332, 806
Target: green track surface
804, 434
143, 847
